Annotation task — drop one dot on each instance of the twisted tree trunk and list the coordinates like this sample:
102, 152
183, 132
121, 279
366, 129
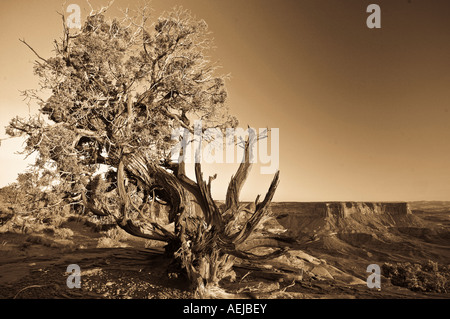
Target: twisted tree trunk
206, 237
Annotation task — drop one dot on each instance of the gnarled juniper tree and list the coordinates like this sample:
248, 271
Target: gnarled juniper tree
114, 93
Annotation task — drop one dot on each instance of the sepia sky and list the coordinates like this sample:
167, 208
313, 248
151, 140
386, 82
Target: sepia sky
363, 114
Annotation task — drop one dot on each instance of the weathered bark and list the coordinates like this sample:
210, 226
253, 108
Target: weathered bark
238, 180
207, 237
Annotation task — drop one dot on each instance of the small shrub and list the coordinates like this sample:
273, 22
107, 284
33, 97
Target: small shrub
38, 240
63, 233
115, 234
106, 242
429, 277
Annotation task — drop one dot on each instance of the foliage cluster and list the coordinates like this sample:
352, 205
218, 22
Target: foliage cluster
428, 277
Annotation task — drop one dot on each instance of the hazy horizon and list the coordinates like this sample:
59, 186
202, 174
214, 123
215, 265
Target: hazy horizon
363, 114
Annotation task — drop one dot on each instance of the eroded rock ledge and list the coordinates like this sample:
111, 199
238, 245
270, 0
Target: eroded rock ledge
342, 209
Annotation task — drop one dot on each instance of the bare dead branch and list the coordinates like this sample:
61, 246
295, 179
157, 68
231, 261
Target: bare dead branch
34, 51
211, 210
248, 255
90, 207
260, 210
238, 180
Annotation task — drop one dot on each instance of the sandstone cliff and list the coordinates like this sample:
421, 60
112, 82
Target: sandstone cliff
341, 209
313, 218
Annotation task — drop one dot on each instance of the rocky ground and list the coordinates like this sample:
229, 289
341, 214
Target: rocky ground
33, 264
34, 270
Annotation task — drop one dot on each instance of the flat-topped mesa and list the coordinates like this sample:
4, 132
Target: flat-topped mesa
307, 218
346, 209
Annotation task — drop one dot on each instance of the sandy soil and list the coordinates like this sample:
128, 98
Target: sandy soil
33, 265
37, 271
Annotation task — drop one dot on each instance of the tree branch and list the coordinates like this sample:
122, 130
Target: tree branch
211, 211
238, 180
24, 42
90, 207
251, 256
261, 209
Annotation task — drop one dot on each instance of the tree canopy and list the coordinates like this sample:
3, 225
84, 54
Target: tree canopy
119, 86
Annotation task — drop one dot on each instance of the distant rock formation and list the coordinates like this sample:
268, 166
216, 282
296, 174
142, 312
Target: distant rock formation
343, 209
315, 218
338, 240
